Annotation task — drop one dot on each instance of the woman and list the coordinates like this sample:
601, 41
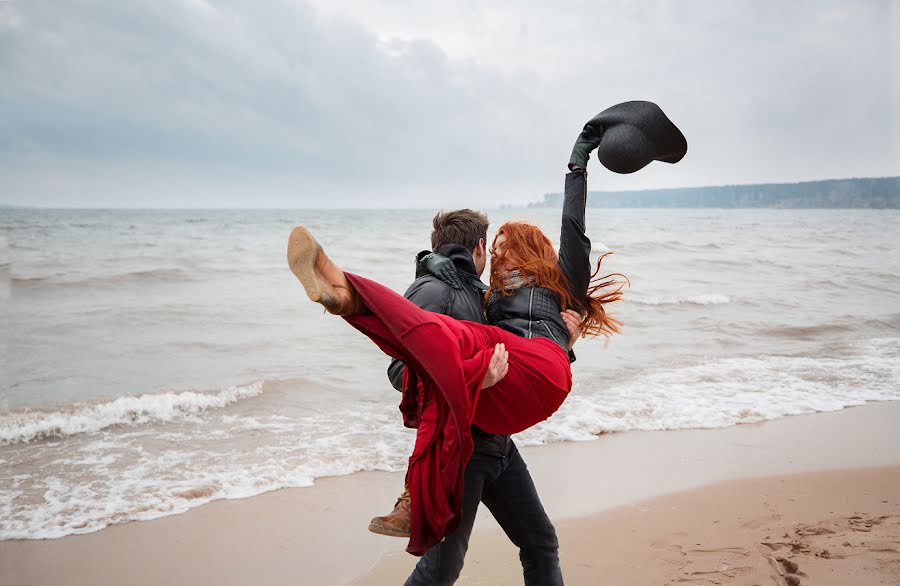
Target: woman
530, 286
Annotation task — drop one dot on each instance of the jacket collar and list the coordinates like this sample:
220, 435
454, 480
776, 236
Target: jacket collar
461, 257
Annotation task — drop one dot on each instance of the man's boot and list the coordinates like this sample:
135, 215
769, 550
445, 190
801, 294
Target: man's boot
397, 523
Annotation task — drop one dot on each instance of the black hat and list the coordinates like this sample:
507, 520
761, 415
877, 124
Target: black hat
636, 133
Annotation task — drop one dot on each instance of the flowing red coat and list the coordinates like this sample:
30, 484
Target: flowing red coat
448, 359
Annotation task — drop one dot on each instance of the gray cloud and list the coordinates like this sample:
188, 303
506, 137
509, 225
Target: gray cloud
396, 103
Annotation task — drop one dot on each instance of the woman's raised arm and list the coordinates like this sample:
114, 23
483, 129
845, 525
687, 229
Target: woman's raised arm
574, 245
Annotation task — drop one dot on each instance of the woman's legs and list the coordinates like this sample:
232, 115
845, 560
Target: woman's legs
538, 379
536, 384
327, 284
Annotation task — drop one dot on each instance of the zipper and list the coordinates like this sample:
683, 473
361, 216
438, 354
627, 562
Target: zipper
530, 300
549, 331
584, 205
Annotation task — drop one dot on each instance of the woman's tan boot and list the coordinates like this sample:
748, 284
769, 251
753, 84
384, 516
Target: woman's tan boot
323, 280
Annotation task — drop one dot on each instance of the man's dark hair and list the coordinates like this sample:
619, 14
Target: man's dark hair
463, 227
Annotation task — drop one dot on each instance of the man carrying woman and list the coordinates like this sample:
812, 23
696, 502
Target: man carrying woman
531, 286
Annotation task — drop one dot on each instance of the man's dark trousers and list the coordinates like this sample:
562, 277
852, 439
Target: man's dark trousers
500, 479
496, 474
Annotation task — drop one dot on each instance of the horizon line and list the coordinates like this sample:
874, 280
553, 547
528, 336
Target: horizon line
493, 207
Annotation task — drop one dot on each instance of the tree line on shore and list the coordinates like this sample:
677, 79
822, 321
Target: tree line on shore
874, 192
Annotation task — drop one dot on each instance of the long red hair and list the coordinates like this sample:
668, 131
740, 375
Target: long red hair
529, 251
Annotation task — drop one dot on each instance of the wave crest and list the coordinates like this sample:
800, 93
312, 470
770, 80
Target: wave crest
165, 274
702, 299
728, 392
29, 425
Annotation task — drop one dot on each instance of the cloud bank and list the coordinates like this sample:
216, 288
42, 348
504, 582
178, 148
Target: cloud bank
403, 104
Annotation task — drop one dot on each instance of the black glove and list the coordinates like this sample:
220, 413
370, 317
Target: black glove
587, 141
441, 267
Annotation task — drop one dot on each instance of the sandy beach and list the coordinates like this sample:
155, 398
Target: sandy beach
810, 499
840, 527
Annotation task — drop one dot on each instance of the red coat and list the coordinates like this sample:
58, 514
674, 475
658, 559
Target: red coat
450, 358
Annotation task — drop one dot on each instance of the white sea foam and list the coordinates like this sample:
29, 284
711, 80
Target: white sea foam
104, 479
727, 392
129, 479
702, 299
28, 425
5, 254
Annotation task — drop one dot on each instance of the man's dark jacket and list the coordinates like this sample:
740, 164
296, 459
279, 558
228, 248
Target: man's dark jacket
432, 294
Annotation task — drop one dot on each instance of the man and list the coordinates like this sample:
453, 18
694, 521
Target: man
496, 474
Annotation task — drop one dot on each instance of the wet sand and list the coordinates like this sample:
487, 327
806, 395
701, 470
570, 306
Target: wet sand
840, 527
630, 508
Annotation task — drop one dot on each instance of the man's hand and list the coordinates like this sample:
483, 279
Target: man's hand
443, 268
497, 368
573, 322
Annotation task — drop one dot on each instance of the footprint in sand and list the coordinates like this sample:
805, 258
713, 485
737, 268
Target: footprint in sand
670, 553
807, 530
761, 522
715, 565
787, 571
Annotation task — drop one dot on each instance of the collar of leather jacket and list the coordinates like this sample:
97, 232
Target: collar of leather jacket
461, 257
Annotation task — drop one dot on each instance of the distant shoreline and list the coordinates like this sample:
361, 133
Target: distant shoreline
860, 193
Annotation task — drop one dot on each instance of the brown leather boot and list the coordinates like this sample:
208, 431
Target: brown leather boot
397, 522
323, 280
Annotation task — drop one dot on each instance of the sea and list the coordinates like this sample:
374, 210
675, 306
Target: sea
157, 360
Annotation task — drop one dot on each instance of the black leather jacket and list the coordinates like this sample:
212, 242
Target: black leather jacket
534, 312
432, 294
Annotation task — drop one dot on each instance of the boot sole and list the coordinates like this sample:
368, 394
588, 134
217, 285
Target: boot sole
303, 252
382, 530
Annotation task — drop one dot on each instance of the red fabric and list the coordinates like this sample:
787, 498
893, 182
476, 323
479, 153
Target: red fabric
450, 358
411, 403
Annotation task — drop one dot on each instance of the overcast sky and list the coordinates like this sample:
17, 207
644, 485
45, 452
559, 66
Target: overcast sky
406, 103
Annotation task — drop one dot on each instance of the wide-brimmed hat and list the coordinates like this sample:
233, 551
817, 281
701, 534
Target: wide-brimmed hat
636, 133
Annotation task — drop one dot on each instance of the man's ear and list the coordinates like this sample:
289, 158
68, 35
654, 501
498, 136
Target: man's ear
479, 248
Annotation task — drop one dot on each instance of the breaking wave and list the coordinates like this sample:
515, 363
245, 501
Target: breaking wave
728, 392
170, 274
703, 299
116, 476
29, 425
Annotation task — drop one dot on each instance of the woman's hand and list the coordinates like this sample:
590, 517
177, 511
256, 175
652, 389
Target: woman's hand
587, 141
497, 368
443, 268
573, 322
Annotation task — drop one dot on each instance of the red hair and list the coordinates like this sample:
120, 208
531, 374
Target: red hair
530, 252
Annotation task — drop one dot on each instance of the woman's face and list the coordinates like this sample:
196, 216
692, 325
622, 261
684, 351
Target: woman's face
497, 249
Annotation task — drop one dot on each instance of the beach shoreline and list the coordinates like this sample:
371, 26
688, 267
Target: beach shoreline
317, 534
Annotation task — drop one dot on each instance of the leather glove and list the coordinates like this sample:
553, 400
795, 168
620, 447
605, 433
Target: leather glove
441, 267
587, 141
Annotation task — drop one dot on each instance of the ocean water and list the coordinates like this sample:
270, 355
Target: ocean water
154, 361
